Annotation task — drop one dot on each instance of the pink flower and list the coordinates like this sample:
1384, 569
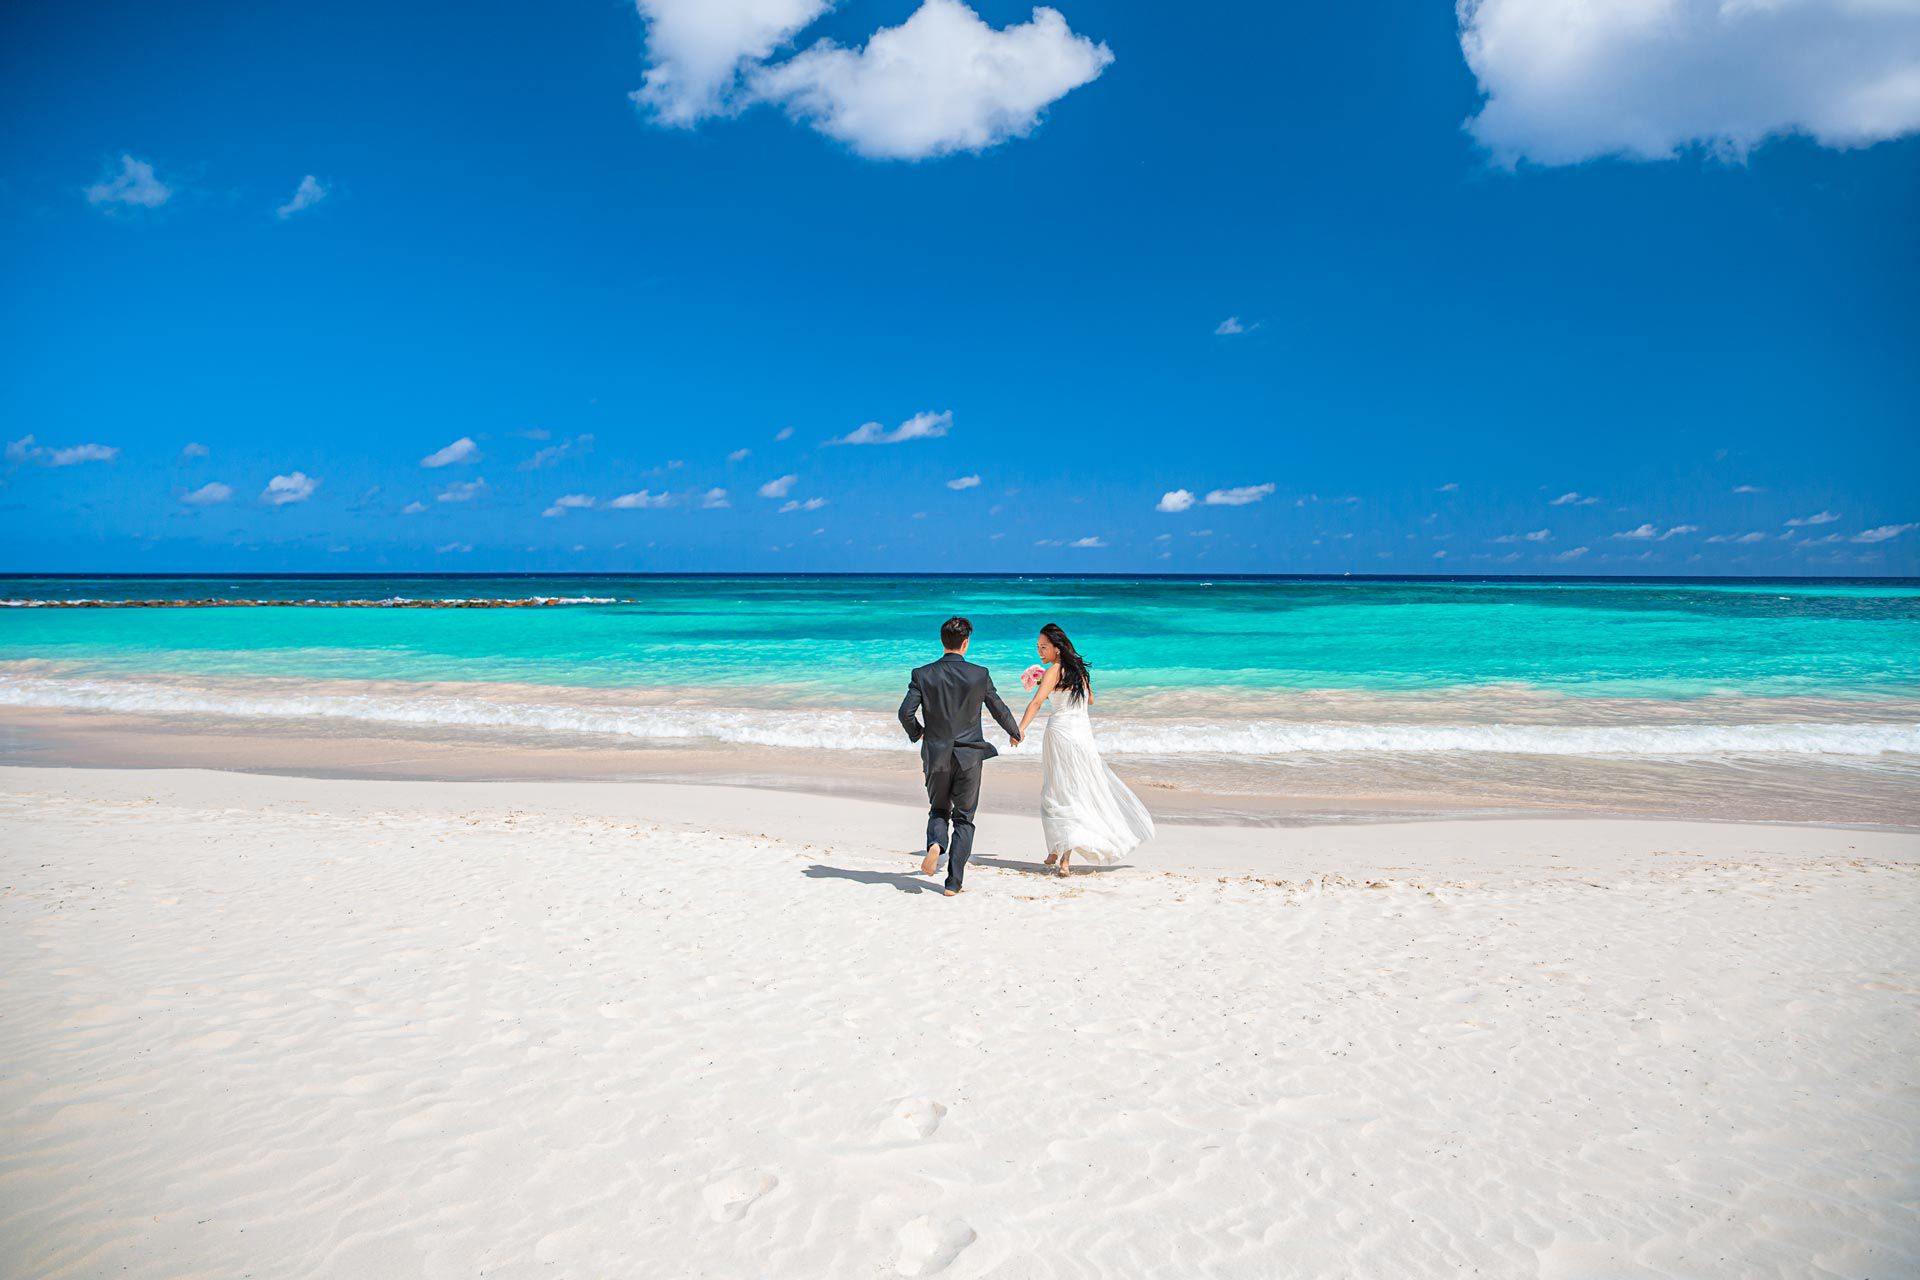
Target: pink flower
1032, 676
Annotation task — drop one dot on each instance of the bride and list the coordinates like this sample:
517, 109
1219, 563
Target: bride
1084, 808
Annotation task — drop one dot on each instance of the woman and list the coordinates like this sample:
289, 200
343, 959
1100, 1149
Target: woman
1084, 808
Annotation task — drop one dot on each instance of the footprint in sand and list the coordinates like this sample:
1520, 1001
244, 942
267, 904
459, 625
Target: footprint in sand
931, 1244
729, 1198
916, 1117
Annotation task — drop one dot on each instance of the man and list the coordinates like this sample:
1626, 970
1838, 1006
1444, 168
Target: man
950, 693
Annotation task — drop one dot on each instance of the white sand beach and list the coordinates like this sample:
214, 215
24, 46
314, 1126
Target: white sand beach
335, 1028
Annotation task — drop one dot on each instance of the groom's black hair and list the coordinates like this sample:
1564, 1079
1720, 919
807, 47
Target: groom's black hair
954, 632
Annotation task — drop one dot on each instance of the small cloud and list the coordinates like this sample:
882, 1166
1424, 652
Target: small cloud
1449, 487
26, 449
1228, 327
569, 502
413, 508
461, 450
557, 452
1738, 537
811, 504
778, 488
1538, 535
1748, 488
1205, 533
739, 455
1645, 531
1823, 517
1884, 532
921, 426
1679, 530
193, 450
1088, 542
134, 185
1440, 554
1573, 500
309, 193
454, 548
714, 500
1238, 497
643, 500
784, 433
964, 482
210, 494
1572, 553
463, 491
1174, 501
296, 486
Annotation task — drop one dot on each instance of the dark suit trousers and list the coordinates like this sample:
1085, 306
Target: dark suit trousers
952, 795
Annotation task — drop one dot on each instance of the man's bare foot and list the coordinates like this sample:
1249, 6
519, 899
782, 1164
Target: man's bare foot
932, 860
949, 893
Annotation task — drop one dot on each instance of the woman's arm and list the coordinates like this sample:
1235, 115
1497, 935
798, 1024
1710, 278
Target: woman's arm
1047, 682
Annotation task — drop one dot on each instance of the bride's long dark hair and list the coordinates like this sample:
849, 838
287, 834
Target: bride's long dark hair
1073, 667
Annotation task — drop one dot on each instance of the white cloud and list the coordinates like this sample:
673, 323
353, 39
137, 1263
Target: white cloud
1738, 537
1238, 497
569, 502
1538, 535
642, 500
784, 433
696, 50
1652, 533
463, 491
454, 548
921, 426
1821, 517
811, 504
739, 455
26, 449
208, 495
1571, 553
1572, 80
1748, 488
133, 185
1449, 487
461, 450
296, 486
1883, 532
194, 449
1174, 501
557, 452
940, 82
309, 193
964, 482
1440, 554
1228, 327
1088, 542
714, 499
1573, 500
413, 508
778, 488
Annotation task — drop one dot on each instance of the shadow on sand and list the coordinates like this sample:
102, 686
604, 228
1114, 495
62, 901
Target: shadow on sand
909, 882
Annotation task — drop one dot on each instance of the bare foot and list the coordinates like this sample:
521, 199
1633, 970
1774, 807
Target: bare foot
932, 860
1063, 865
949, 893
1051, 859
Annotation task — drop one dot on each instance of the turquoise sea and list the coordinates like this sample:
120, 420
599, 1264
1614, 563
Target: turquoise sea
1218, 677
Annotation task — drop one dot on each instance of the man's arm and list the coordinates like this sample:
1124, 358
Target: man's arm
909, 708
1003, 717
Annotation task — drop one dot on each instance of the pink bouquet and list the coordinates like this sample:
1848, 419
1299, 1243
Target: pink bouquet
1032, 676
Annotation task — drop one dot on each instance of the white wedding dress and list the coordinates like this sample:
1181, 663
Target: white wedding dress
1085, 810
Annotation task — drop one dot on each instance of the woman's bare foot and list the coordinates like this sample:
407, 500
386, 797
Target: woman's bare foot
932, 860
1051, 859
1063, 865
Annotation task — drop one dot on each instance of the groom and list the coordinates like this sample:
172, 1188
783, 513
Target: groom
951, 692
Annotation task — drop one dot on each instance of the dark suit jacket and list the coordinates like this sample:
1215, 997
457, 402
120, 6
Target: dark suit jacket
950, 694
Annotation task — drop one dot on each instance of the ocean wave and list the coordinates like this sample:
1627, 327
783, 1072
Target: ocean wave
845, 730
389, 602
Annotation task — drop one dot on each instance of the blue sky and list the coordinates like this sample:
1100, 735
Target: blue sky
1373, 292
